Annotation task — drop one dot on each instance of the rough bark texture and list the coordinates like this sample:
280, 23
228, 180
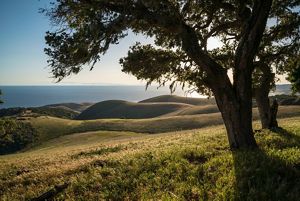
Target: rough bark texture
237, 119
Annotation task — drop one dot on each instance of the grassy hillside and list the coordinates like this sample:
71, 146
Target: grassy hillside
77, 107
197, 109
129, 110
179, 99
186, 165
51, 127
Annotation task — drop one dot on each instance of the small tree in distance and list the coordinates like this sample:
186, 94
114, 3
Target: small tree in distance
181, 30
0, 97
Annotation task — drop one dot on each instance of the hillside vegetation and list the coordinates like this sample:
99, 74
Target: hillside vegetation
77, 107
185, 165
179, 99
51, 127
162, 106
129, 110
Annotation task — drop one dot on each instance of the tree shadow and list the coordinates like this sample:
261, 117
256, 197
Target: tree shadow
287, 135
269, 173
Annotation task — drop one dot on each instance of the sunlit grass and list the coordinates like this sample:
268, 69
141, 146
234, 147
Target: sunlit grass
186, 165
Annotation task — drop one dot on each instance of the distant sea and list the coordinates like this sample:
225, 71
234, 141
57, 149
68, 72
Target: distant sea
32, 96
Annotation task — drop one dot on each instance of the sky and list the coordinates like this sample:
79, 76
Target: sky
23, 62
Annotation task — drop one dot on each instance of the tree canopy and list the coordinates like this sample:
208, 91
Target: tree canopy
182, 30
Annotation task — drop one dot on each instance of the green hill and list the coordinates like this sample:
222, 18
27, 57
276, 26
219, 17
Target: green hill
129, 110
179, 99
77, 107
185, 165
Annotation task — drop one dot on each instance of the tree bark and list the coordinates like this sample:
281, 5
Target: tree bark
237, 117
267, 112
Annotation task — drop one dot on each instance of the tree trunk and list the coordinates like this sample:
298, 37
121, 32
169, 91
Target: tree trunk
236, 110
267, 113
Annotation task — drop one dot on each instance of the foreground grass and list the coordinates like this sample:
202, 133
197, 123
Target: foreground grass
187, 165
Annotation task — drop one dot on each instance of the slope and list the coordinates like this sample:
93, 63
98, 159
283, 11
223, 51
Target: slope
129, 110
179, 99
186, 165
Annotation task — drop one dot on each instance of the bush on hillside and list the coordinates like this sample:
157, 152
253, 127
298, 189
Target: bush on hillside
48, 111
16, 135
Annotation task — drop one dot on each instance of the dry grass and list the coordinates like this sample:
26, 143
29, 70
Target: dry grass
185, 165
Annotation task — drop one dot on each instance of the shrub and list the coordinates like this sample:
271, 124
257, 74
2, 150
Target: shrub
16, 135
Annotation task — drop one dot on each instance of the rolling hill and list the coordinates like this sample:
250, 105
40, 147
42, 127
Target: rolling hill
52, 127
129, 110
77, 107
179, 99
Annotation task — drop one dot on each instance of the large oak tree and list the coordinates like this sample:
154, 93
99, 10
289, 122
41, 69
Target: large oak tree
182, 29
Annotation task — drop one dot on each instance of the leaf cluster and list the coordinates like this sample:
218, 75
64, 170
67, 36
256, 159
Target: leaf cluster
86, 29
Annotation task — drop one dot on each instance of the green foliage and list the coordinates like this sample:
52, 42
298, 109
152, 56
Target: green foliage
16, 135
55, 112
181, 30
38, 111
294, 77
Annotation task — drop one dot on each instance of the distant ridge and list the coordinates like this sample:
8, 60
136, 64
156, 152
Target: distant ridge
180, 99
129, 110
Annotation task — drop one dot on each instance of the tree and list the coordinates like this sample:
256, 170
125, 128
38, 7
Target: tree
294, 74
16, 135
278, 50
0, 95
181, 30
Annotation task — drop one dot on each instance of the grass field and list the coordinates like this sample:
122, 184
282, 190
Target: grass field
183, 165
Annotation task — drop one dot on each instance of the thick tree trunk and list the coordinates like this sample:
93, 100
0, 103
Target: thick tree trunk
235, 105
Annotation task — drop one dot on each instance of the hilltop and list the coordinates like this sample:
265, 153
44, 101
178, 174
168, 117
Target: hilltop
180, 99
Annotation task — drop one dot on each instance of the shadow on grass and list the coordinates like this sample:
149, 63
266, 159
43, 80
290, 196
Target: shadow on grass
269, 173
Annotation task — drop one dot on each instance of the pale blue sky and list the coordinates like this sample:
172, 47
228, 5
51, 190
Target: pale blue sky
23, 62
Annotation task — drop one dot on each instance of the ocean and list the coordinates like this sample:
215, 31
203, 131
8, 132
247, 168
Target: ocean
33, 96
